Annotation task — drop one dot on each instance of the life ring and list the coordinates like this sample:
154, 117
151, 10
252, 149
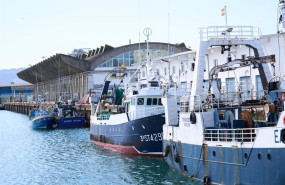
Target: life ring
176, 158
207, 180
166, 150
193, 117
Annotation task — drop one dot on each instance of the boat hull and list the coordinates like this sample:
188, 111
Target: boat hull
229, 165
139, 137
72, 122
43, 122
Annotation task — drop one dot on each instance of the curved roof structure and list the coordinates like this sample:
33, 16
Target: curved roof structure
65, 65
52, 68
96, 60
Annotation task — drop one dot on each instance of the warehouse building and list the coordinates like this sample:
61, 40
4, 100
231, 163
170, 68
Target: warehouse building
16, 92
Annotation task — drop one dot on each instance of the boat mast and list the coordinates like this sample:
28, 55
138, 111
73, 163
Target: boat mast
147, 32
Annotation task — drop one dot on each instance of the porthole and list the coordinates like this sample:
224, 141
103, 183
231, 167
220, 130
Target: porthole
245, 155
259, 156
140, 101
269, 156
214, 153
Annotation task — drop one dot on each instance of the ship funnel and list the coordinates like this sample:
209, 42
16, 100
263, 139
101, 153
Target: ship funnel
282, 15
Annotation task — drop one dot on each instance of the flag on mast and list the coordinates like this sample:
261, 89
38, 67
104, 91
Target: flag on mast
223, 12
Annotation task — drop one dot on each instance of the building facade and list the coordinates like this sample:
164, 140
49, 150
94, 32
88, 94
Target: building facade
16, 92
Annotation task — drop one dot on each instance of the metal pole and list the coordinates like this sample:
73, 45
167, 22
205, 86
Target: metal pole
226, 15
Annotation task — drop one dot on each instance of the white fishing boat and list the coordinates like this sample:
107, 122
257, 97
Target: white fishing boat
129, 119
231, 137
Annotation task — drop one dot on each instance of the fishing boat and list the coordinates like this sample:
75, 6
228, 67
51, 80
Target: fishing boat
68, 117
129, 119
232, 137
41, 117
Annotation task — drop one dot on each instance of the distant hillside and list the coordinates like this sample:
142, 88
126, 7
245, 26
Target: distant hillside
10, 75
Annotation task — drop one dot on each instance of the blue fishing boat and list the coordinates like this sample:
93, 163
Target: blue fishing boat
68, 118
42, 119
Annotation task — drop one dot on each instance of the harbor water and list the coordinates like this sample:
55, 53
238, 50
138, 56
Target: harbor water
67, 156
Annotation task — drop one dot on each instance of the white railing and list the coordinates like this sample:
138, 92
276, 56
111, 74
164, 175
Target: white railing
231, 135
195, 104
180, 87
229, 33
146, 112
223, 98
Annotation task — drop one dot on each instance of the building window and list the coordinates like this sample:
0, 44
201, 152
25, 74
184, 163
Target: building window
173, 69
115, 62
182, 68
109, 63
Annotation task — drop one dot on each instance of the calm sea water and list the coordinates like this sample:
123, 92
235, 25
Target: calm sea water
29, 156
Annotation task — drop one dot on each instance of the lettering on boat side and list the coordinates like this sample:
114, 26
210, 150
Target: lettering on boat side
277, 136
151, 137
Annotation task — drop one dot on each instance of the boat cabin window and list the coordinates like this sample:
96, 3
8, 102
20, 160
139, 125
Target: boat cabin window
154, 101
148, 101
140, 101
154, 84
159, 101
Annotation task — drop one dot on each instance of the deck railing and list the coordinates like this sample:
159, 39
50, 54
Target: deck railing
229, 33
231, 135
222, 98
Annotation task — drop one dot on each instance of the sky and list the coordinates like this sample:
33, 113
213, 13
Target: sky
33, 29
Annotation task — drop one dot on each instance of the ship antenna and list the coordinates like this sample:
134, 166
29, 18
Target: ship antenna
147, 32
